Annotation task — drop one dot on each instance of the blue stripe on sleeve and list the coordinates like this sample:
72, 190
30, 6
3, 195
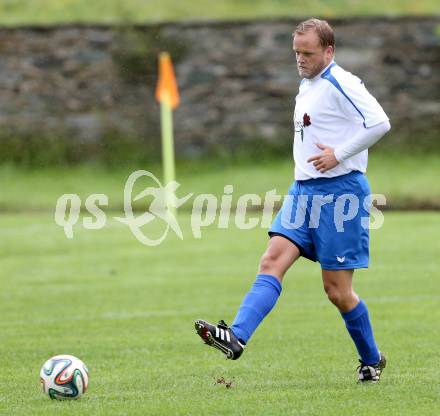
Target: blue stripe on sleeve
329, 77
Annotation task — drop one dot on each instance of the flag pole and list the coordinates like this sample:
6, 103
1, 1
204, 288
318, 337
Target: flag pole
168, 162
168, 97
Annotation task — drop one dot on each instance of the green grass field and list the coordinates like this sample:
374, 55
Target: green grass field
127, 310
112, 11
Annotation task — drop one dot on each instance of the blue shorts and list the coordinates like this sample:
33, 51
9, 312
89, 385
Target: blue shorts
327, 219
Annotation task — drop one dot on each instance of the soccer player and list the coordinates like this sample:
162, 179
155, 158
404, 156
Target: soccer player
336, 120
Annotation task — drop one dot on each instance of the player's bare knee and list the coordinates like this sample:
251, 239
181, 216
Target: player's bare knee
269, 262
334, 295
342, 299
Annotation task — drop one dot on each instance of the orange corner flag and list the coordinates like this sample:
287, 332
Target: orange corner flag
166, 90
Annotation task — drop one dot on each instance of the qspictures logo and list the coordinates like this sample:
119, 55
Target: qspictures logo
250, 210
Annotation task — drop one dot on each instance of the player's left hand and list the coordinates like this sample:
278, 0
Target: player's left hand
325, 160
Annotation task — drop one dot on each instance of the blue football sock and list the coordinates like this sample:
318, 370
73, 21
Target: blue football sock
358, 325
258, 302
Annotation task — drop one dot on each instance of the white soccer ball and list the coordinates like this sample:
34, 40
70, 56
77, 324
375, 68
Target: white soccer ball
64, 377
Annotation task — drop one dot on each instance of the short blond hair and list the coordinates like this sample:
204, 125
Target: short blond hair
323, 30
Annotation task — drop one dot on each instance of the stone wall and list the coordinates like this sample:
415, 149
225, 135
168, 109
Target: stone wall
86, 84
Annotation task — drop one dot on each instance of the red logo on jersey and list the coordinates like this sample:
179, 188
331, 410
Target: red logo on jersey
306, 120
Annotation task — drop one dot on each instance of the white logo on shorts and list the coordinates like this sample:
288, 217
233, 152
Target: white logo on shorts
340, 259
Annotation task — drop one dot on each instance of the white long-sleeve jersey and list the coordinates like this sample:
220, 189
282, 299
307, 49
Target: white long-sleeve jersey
335, 109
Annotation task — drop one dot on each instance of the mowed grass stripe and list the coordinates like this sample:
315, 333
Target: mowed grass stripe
38, 190
139, 11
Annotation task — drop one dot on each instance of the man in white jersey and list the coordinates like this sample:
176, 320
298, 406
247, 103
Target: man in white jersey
325, 216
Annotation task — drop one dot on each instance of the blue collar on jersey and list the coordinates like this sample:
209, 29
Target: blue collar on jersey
326, 71
322, 74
